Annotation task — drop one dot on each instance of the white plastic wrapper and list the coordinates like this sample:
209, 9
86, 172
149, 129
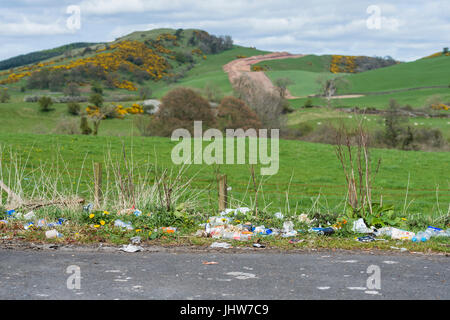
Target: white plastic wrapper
360, 227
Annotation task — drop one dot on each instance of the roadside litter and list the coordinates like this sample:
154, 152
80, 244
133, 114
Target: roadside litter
258, 245
131, 248
209, 262
51, 234
222, 245
323, 231
135, 240
366, 239
360, 227
30, 215
423, 236
398, 234
119, 223
401, 249
169, 230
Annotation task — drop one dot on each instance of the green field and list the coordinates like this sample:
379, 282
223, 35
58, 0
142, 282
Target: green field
311, 63
416, 74
305, 83
415, 99
307, 170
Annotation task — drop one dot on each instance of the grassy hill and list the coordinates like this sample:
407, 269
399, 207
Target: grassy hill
416, 74
39, 56
312, 63
412, 83
304, 82
131, 62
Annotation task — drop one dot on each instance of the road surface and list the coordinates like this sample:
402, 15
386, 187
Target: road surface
238, 67
43, 274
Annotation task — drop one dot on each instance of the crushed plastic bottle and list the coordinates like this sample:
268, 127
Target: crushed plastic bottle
56, 224
10, 213
88, 208
28, 225
169, 229
30, 215
288, 226
323, 231
53, 234
445, 233
121, 224
424, 236
41, 223
279, 215
137, 213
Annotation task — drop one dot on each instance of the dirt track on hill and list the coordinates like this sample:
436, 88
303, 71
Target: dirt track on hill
238, 67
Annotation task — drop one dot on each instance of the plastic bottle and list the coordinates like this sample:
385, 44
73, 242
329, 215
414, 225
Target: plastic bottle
120, 223
245, 236
444, 233
228, 235
53, 234
421, 237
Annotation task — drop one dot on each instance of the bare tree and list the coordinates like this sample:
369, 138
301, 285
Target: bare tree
281, 85
267, 105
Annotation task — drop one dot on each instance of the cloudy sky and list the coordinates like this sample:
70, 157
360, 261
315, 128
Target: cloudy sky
405, 30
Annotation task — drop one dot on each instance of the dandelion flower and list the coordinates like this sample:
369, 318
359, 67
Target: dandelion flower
91, 216
97, 226
102, 222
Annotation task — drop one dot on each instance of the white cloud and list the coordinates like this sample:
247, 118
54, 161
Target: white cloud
409, 28
28, 28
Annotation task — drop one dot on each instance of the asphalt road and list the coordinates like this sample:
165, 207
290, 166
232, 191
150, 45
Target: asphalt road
42, 274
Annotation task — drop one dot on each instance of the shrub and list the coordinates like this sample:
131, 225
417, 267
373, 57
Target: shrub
179, 109
96, 99
4, 96
233, 113
392, 124
84, 126
67, 126
45, 103
55, 80
97, 88
308, 103
305, 129
73, 108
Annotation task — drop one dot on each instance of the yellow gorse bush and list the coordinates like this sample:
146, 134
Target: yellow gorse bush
152, 63
343, 64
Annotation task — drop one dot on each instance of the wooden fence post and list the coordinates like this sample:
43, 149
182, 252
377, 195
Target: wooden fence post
98, 183
223, 196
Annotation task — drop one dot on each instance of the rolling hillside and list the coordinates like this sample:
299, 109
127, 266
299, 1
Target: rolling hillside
416, 74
